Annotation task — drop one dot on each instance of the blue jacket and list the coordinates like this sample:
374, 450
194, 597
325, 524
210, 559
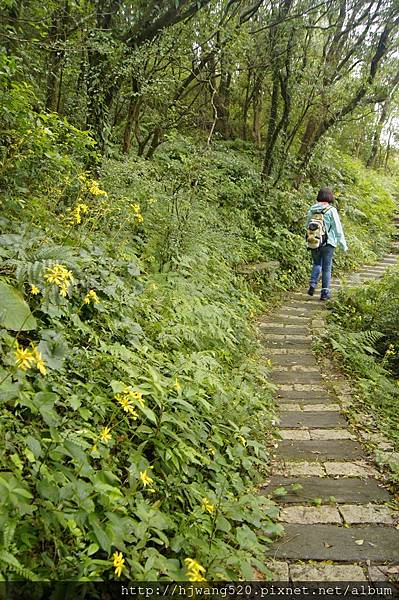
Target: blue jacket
335, 233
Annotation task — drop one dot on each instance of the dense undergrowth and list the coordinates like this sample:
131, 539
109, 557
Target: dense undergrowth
136, 415
364, 334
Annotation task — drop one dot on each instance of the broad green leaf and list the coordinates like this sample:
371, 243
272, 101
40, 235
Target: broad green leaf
15, 313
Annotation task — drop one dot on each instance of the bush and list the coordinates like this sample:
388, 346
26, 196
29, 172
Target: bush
363, 333
136, 415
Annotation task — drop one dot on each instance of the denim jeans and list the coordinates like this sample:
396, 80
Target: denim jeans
322, 263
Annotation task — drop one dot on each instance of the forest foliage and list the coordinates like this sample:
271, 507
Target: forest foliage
364, 334
147, 151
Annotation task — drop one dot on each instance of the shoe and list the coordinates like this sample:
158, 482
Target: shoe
311, 290
326, 296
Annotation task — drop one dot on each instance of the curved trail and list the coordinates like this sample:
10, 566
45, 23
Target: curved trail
351, 528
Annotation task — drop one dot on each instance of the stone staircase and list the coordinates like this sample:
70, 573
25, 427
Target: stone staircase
338, 516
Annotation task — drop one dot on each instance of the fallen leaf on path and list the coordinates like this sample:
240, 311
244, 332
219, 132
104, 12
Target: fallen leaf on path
359, 542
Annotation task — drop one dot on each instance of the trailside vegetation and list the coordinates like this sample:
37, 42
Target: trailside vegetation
364, 335
149, 152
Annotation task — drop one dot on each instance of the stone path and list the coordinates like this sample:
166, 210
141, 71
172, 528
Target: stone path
336, 512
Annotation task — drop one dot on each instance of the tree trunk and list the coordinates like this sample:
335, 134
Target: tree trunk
131, 120
58, 33
271, 129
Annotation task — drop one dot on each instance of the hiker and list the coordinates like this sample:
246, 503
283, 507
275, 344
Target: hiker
324, 234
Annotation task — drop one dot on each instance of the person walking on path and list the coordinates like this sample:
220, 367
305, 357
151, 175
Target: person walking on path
324, 234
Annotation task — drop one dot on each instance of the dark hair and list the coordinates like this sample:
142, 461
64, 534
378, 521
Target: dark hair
325, 195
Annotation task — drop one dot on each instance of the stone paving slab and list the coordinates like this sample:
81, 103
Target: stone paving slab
354, 514
310, 377
310, 515
322, 451
380, 573
350, 469
329, 542
302, 387
299, 396
296, 343
325, 572
345, 491
280, 570
299, 468
295, 368
291, 360
292, 317
294, 434
321, 407
331, 434
289, 406
282, 329
316, 419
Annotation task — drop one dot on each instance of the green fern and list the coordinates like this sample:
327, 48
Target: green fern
9, 562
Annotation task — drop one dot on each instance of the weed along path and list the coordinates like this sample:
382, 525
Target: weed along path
336, 515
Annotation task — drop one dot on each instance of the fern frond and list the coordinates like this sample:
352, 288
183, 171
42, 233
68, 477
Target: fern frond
12, 564
8, 533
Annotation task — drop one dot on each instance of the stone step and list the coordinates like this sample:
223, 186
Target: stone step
306, 420
272, 328
351, 514
320, 450
332, 542
297, 396
296, 368
308, 304
288, 343
292, 318
288, 377
344, 490
291, 360
300, 468
308, 407
309, 401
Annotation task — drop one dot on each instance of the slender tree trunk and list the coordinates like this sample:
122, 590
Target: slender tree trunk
132, 116
58, 34
222, 103
271, 130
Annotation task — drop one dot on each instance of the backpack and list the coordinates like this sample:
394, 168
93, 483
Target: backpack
316, 233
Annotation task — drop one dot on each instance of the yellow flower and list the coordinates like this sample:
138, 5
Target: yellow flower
146, 479
91, 296
27, 358
152, 200
137, 213
76, 213
39, 362
105, 435
60, 276
242, 439
24, 358
195, 571
212, 451
124, 399
138, 396
34, 290
207, 506
119, 563
177, 385
94, 189
94, 448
